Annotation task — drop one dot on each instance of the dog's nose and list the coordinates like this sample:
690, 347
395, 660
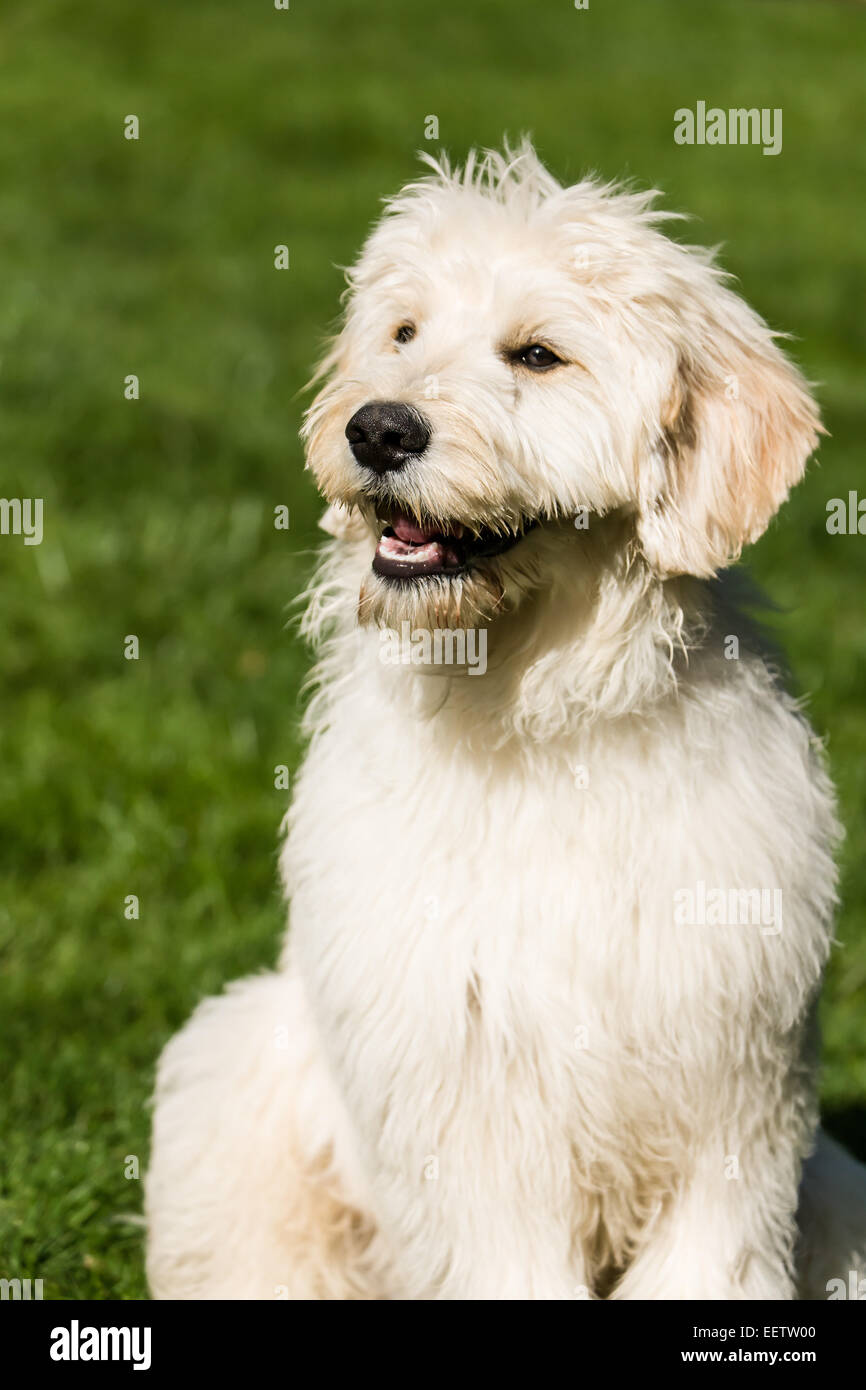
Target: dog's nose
384, 435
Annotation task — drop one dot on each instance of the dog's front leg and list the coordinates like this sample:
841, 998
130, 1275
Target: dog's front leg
465, 1232
727, 1235
252, 1191
486, 1267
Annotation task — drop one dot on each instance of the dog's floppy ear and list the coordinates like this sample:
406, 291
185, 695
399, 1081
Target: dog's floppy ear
736, 431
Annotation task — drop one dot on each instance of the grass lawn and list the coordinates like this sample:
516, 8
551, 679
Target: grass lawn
155, 257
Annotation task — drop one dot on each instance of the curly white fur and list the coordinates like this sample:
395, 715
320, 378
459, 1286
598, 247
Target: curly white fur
492, 1062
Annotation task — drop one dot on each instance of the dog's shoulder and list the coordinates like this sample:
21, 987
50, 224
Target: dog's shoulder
741, 610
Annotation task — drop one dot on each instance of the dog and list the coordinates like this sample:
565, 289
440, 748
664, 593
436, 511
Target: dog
533, 1034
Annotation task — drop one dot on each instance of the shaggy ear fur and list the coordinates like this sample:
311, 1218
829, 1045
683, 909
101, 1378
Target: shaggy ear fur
735, 436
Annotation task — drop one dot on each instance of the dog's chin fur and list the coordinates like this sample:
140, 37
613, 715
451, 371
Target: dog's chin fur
439, 601
481, 870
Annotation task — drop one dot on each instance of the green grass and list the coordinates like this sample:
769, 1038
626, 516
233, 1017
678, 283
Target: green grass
155, 777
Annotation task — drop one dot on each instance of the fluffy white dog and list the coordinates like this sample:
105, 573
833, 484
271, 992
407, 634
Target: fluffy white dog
544, 1023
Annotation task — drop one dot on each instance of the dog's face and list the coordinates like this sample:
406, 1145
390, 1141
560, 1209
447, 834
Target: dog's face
519, 361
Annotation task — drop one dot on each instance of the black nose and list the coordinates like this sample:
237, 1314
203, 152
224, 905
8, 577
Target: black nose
384, 435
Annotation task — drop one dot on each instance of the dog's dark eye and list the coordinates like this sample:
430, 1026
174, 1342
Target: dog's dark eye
404, 333
539, 358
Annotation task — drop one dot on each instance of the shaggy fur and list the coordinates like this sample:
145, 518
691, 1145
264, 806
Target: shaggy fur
493, 1062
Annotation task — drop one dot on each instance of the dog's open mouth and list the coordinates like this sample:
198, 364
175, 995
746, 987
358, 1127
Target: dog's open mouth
409, 550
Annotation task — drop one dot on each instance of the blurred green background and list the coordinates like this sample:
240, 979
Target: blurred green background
156, 257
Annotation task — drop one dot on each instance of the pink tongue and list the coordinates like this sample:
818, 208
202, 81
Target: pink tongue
406, 530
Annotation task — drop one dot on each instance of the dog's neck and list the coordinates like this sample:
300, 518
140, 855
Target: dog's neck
606, 640
570, 657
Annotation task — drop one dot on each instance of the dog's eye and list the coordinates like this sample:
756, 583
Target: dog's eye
404, 333
537, 357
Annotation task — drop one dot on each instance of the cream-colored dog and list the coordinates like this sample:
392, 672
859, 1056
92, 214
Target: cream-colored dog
544, 1023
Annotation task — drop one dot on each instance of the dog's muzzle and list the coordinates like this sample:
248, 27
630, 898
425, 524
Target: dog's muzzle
385, 435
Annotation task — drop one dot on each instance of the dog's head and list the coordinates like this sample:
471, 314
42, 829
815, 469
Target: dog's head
520, 359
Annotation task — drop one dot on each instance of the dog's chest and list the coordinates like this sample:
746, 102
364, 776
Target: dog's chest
491, 951
464, 869
468, 907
